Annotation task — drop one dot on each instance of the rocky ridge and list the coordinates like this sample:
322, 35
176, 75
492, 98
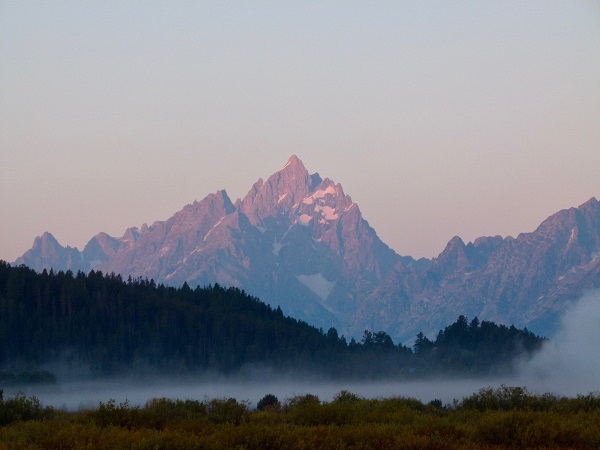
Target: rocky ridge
299, 242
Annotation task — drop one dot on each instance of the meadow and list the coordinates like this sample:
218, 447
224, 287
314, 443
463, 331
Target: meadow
503, 417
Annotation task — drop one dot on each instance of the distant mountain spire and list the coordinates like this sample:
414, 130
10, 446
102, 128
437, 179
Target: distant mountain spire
47, 253
279, 193
294, 163
298, 241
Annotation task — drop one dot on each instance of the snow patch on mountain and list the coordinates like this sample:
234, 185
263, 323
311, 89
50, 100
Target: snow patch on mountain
171, 275
214, 226
327, 212
573, 235
318, 284
277, 246
304, 219
375, 287
321, 193
197, 250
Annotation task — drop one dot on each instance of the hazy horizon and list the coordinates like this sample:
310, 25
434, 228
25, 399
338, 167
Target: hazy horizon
438, 118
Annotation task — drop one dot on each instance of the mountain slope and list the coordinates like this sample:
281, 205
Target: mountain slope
295, 240
528, 280
298, 241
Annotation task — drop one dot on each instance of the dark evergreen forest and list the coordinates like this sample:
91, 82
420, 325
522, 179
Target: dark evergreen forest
114, 326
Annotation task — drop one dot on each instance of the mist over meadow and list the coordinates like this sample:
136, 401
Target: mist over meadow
567, 365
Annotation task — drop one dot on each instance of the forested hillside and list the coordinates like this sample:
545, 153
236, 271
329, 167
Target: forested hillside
113, 326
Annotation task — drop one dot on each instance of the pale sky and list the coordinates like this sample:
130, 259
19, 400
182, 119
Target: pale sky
439, 118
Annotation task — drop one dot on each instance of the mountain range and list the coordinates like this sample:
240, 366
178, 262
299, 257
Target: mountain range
299, 242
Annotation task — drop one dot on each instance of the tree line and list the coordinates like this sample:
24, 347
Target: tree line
112, 325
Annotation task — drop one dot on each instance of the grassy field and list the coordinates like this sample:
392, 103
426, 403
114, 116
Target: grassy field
506, 417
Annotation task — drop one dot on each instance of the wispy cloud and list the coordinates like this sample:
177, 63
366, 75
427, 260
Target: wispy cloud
570, 363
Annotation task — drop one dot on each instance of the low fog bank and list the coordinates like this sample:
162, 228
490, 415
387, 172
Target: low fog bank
88, 394
569, 364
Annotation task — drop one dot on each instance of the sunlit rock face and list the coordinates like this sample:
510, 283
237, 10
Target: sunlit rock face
298, 241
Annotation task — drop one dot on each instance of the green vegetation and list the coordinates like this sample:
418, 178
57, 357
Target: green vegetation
268, 401
474, 348
507, 417
114, 326
20, 408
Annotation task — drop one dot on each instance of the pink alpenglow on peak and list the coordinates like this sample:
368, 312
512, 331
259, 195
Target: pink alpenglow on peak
292, 227
299, 242
294, 162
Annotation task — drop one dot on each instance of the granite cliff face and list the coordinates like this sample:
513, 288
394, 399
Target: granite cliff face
299, 242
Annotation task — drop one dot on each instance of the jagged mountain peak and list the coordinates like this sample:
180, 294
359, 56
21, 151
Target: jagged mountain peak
294, 194
47, 253
131, 235
481, 248
219, 198
292, 179
454, 246
566, 219
282, 190
100, 248
45, 240
102, 235
324, 205
294, 168
104, 241
293, 164
197, 218
215, 204
485, 241
298, 241
315, 180
454, 257
592, 202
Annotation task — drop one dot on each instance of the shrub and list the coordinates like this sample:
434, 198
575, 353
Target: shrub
504, 398
346, 397
302, 400
227, 411
305, 409
268, 401
436, 403
21, 408
121, 415
160, 411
